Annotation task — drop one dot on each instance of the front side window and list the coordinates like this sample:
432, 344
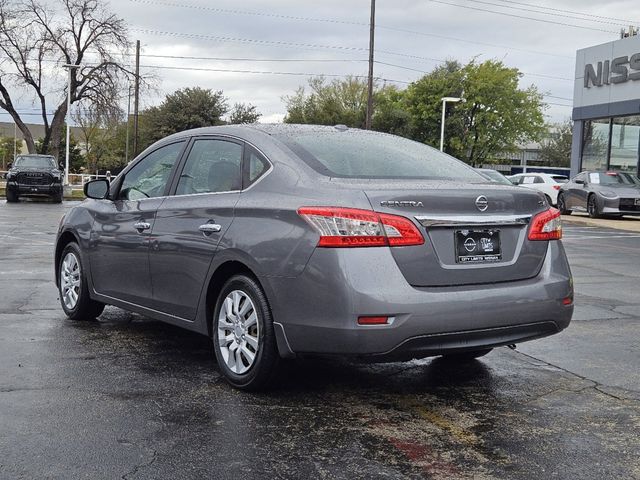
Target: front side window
149, 177
212, 166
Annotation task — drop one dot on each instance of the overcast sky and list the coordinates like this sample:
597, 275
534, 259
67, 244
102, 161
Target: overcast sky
331, 37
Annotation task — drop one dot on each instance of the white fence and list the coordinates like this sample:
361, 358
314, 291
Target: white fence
76, 180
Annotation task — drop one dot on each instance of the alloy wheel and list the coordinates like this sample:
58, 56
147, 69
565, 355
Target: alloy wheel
238, 332
70, 279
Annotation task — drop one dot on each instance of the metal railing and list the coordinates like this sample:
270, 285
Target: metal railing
76, 180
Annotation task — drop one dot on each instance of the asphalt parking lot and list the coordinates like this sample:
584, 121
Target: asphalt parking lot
128, 397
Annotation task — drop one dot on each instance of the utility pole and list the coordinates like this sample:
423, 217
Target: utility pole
136, 99
126, 148
372, 29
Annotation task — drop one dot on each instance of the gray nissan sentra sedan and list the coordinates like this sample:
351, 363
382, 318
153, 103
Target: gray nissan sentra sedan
280, 241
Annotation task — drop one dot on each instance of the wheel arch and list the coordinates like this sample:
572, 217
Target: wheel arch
64, 239
227, 268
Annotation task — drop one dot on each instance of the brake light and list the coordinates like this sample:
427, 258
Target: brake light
352, 227
546, 226
556, 187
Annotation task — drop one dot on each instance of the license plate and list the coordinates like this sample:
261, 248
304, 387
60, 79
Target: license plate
478, 246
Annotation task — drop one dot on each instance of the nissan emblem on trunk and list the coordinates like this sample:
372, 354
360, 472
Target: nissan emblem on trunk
482, 203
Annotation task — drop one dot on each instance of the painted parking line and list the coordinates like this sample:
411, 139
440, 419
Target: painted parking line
588, 237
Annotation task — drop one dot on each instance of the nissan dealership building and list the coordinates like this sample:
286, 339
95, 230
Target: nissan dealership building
606, 107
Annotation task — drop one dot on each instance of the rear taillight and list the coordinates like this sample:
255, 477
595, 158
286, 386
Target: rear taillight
546, 226
351, 227
556, 187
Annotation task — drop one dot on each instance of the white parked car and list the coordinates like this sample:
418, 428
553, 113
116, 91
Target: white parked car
547, 183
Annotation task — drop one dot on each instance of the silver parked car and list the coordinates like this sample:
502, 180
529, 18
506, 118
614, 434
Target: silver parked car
279, 240
601, 193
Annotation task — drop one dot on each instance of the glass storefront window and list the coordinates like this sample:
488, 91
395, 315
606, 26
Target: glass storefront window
625, 138
595, 144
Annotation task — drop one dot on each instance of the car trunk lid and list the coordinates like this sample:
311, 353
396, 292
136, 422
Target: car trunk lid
460, 222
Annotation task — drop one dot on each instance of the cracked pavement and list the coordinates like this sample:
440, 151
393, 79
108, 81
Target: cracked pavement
128, 397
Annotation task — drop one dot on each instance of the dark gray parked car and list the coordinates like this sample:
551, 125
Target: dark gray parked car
601, 193
279, 241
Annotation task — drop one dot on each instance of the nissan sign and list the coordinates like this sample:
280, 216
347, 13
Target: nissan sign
618, 70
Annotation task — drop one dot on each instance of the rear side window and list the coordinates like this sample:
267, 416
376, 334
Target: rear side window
257, 166
212, 166
538, 180
360, 154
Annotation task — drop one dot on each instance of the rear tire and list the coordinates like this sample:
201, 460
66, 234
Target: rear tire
592, 207
562, 205
12, 197
244, 340
466, 357
549, 201
73, 286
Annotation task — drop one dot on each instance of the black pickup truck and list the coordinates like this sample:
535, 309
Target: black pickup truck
34, 175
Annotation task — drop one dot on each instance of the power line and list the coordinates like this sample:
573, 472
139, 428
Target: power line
555, 14
522, 16
240, 59
278, 43
568, 11
338, 21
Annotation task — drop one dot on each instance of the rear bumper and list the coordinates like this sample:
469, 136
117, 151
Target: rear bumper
319, 309
24, 190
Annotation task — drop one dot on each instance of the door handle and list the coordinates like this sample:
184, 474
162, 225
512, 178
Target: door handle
141, 226
209, 228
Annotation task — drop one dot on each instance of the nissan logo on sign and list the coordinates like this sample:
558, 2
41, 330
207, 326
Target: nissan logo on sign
618, 70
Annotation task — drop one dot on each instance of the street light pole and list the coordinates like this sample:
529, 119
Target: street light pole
372, 30
66, 158
444, 107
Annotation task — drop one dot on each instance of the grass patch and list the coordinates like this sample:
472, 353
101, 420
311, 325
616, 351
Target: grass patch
75, 194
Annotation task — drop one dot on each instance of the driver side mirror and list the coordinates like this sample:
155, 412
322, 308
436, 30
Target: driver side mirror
580, 182
9, 165
61, 166
96, 189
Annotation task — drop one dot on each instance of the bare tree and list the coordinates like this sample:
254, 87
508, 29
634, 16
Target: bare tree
35, 42
97, 122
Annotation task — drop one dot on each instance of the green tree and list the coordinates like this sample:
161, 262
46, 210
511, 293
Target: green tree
497, 115
423, 102
182, 110
244, 113
337, 102
555, 149
7, 148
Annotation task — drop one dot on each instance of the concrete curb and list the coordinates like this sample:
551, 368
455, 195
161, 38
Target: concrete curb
631, 224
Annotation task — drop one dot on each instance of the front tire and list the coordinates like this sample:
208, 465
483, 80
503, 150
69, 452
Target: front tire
12, 197
592, 207
243, 337
73, 287
57, 198
562, 205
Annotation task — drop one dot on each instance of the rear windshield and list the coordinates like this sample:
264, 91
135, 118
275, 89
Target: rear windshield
560, 178
35, 162
360, 154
